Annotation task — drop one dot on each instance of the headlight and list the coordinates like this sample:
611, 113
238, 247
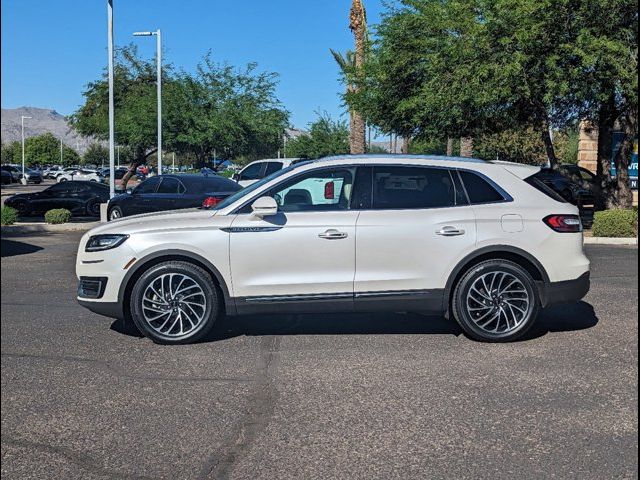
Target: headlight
97, 243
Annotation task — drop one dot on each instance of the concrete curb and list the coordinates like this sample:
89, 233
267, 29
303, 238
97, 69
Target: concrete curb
610, 241
34, 228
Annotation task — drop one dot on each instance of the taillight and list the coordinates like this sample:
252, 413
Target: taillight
564, 223
211, 202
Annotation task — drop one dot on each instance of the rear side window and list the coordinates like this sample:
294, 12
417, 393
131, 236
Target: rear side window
536, 182
479, 190
217, 184
170, 185
412, 188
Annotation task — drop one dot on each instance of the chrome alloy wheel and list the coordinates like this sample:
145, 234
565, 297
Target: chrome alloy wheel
174, 304
498, 302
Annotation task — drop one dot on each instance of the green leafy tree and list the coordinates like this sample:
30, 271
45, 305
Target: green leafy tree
41, 150
96, 154
326, 137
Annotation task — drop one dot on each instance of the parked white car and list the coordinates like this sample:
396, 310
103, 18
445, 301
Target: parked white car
487, 242
80, 174
259, 169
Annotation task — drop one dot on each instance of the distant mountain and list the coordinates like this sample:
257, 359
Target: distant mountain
42, 121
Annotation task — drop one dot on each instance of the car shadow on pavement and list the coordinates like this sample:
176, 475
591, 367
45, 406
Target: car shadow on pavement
565, 318
12, 248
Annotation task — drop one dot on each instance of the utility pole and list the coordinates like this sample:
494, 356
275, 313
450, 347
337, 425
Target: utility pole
61, 157
112, 159
158, 36
23, 179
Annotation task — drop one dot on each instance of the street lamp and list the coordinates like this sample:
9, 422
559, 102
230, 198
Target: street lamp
159, 82
23, 179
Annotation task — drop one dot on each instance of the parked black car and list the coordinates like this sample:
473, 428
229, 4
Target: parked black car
80, 198
576, 185
171, 192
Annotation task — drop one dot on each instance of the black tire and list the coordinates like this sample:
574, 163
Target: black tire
115, 213
93, 207
471, 314
210, 311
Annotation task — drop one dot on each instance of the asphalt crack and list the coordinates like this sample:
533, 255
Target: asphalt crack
120, 372
84, 461
261, 404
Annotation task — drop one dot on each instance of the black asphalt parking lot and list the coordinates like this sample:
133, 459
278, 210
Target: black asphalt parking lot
314, 397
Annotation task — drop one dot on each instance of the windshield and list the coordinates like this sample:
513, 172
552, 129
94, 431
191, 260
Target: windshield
252, 188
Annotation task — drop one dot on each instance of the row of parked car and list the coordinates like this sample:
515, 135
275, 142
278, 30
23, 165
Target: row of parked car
82, 191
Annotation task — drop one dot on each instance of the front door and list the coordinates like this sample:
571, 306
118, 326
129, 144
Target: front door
303, 257
418, 227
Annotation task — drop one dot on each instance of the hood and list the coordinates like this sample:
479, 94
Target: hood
159, 221
520, 170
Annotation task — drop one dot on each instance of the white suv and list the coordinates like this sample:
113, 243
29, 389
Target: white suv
486, 241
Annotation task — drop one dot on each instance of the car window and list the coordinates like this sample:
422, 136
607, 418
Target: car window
252, 172
323, 190
62, 188
148, 186
217, 184
170, 185
479, 190
273, 167
412, 188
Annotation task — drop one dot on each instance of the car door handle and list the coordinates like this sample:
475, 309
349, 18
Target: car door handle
333, 235
450, 231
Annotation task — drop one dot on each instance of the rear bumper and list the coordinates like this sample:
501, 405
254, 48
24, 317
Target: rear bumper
568, 291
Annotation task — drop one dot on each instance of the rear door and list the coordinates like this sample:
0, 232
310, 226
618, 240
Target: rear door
169, 195
414, 232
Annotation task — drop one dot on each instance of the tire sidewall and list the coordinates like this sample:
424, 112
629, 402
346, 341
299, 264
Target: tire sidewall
204, 281
118, 209
460, 294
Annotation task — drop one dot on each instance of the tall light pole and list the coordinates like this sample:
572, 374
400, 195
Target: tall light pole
23, 179
112, 130
158, 36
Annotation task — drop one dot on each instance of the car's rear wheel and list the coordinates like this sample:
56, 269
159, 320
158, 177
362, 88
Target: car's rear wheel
115, 213
496, 301
174, 303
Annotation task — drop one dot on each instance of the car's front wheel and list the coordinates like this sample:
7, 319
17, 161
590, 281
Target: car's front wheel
175, 302
496, 301
115, 213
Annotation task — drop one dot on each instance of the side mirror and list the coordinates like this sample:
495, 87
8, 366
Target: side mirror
264, 207
235, 177
129, 190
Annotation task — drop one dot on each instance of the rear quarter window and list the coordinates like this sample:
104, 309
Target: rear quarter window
218, 184
480, 190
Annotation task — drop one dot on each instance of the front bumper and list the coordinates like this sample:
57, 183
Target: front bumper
568, 291
108, 309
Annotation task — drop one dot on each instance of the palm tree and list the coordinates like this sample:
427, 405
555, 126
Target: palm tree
347, 64
358, 25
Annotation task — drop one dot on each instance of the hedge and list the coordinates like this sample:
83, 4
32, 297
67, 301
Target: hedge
616, 223
57, 215
9, 215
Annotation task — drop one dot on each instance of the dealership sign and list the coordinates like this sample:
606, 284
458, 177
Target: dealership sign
633, 165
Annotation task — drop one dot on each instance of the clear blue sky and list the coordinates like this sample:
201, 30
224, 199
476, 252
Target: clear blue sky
51, 49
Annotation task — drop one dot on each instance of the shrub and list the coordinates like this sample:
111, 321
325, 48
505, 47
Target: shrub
616, 223
57, 215
9, 215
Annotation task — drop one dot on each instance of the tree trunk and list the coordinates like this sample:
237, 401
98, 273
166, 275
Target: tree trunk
606, 124
548, 146
624, 195
140, 159
358, 25
449, 147
406, 144
466, 147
